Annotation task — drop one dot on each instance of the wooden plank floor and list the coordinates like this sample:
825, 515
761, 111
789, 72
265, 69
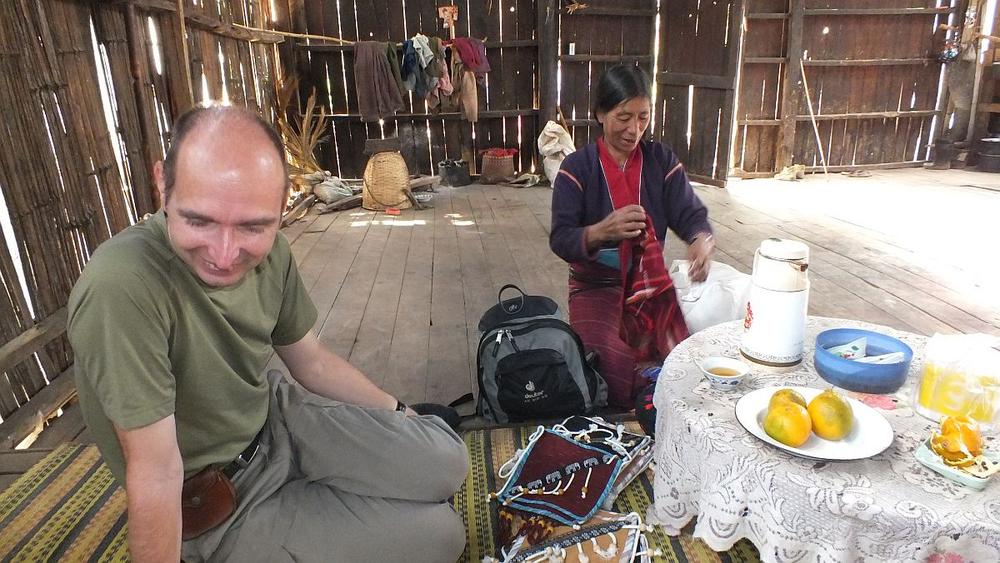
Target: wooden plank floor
400, 297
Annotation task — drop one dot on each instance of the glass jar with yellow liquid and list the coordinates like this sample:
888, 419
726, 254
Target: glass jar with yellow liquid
961, 376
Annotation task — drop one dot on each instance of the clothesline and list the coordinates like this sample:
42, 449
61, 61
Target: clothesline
314, 36
298, 35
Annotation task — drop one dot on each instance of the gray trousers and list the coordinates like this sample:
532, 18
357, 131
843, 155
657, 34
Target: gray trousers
336, 482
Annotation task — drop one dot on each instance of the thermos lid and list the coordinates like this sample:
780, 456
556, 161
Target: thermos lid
784, 250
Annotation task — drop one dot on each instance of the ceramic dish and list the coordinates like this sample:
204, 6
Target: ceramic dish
926, 456
725, 382
870, 435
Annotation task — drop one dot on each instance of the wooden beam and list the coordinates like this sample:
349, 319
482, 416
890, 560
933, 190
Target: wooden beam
185, 55
707, 180
64, 429
725, 153
604, 58
144, 107
205, 22
877, 11
14, 463
791, 88
740, 173
768, 16
990, 108
759, 122
547, 30
765, 60
30, 341
869, 115
879, 166
601, 11
37, 410
297, 212
868, 62
701, 80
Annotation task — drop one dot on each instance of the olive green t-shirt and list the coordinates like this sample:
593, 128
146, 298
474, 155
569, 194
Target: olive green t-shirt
151, 340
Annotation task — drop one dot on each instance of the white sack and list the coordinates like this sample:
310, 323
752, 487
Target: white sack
554, 144
720, 298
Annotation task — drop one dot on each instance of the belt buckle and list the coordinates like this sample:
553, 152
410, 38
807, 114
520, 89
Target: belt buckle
242, 462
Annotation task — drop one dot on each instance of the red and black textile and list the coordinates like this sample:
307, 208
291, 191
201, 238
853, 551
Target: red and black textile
560, 478
651, 320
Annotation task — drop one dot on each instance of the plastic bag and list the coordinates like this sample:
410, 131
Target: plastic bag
554, 144
720, 298
332, 189
960, 376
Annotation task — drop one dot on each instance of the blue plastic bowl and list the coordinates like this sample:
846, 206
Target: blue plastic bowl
857, 376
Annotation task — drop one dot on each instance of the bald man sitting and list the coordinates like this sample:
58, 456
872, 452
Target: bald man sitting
172, 323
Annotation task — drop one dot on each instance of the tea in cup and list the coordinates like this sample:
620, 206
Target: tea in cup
722, 372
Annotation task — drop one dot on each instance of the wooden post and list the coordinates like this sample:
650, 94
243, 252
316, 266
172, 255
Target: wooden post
728, 124
792, 85
547, 30
144, 107
985, 82
185, 56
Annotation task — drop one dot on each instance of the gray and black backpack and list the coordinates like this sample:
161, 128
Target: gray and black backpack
532, 365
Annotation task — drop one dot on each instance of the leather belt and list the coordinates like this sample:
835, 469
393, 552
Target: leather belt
243, 460
595, 280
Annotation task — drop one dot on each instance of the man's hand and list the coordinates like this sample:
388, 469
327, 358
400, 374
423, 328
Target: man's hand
154, 475
699, 254
623, 223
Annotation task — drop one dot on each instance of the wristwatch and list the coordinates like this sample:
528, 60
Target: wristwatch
400, 406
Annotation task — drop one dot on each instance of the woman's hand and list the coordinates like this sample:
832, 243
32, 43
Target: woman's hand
623, 223
699, 255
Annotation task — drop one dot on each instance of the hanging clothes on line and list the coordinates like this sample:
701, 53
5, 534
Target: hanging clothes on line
442, 88
425, 58
391, 53
469, 68
473, 54
413, 79
378, 92
465, 94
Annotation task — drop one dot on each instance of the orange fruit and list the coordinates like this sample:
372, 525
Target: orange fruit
786, 395
831, 415
788, 423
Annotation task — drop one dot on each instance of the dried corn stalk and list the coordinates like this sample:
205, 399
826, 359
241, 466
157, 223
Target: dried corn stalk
309, 130
302, 136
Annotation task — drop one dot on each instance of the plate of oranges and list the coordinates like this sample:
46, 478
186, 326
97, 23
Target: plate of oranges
814, 423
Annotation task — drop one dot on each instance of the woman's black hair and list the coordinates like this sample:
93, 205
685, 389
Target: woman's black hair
620, 83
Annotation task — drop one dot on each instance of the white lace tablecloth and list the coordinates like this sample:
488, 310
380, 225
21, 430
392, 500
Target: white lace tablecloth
885, 508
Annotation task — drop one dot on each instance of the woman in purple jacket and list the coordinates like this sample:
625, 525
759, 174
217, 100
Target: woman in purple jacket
612, 203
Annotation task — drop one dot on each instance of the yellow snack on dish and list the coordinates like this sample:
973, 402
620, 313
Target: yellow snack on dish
967, 429
959, 442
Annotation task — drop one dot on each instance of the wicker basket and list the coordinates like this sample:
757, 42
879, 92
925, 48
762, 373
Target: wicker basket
497, 169
386, 179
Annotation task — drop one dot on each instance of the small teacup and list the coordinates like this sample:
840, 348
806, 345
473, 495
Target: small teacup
724, 373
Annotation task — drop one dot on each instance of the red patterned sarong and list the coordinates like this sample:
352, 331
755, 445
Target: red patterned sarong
641, 309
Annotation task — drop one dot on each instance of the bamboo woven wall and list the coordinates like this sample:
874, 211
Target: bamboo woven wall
76, 161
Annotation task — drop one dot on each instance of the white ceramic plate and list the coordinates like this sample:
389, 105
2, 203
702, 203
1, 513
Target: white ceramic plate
870, 435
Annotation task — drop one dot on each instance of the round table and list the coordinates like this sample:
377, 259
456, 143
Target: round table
885, 508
